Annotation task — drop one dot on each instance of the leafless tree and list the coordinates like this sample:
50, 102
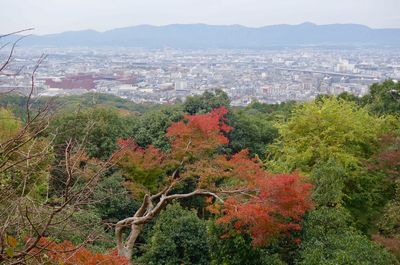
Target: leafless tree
25, 157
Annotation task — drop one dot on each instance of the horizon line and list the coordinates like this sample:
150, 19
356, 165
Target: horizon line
205, 24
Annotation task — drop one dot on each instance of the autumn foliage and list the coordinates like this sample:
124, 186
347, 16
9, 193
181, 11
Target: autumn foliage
255, 202
276, 209
145, 157
67, 254
262, 204
199, 133
388, 159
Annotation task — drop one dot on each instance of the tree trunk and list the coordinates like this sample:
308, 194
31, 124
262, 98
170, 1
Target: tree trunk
145, 214
126, 250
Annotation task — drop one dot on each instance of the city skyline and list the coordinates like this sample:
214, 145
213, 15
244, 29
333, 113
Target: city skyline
168, 76
48, 16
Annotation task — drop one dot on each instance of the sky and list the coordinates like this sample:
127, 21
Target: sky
52, 16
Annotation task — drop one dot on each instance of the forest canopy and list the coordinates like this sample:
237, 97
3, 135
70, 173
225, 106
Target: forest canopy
98, 179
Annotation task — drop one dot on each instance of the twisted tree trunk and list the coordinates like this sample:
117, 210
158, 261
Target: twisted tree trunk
145, 214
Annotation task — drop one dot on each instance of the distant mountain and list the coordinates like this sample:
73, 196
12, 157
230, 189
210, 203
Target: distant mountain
232, 36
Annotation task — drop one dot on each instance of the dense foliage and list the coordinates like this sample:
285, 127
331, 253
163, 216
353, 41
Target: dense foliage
178, 237
329, 239
294, 183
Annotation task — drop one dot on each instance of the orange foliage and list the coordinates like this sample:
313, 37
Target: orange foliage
200, 134
134, 154
276, 207
68, 254
267, 206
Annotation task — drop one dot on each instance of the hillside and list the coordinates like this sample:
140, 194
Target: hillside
201, 182
202, 36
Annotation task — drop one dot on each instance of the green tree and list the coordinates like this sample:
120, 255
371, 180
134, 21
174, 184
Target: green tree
329, 239
275, 112
206, 102
384, 98
80, 225
178, 237
112, 200
236, 249
151, 126
252, 131
97, 129
329, 180
330, 140
326, 129
389, 225
350, 97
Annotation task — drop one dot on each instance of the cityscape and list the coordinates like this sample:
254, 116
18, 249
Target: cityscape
166, 76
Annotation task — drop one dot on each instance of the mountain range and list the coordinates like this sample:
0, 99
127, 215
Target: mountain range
202, 36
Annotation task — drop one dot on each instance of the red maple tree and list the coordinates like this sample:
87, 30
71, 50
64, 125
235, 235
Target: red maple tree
254, 201
275, 209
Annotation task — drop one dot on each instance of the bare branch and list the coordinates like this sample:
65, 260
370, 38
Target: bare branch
10, 54
15, 32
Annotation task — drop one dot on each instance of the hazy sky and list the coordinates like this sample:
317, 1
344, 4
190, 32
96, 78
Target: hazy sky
49, 16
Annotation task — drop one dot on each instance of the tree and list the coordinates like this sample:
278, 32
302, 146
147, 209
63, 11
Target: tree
384, 98
387, 162
151, 127
193, 155
328, 239
350, 97
329, 184
178, 237
112, 200
206, 102
281, 197
330, 140
326, 129
387, 159
96, 129
251, 130
388, 224
280, 111
236, 249
28, 212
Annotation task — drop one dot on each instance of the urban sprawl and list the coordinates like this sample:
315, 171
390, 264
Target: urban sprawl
167, 76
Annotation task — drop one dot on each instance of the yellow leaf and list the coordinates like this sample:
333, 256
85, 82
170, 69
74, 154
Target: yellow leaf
11, 241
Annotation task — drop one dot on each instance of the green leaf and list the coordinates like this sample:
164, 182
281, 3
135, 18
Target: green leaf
10, 252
